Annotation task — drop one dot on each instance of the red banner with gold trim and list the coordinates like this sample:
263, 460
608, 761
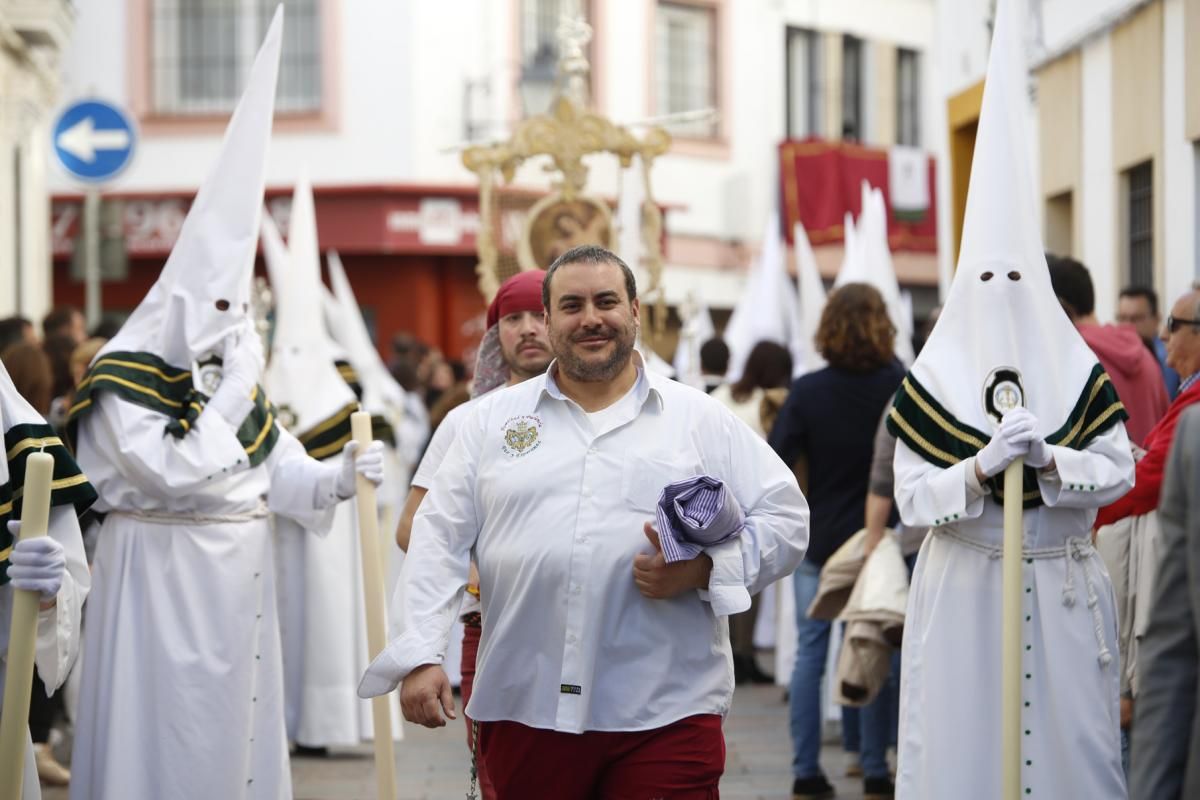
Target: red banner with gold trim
823, 180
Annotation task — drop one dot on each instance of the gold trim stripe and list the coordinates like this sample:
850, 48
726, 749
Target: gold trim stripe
1100, 420
25, 444
932, 413
5, 553
331, 448
330, 423
61, 483
262, 435
137, 387
921, 440
1070, 437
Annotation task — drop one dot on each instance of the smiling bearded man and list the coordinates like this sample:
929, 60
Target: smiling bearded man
604, 665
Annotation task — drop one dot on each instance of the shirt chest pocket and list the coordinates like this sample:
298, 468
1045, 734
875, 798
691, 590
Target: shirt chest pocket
644, 477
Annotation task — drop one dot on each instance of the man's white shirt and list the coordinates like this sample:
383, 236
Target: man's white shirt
554, 515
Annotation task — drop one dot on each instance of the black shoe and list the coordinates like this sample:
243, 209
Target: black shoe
816, 788
745, 670
304, 751
878, 789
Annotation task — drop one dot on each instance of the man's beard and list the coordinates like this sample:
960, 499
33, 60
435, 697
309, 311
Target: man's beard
584, 371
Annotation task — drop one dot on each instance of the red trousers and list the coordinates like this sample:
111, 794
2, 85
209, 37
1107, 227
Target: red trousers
681, 761
470, 647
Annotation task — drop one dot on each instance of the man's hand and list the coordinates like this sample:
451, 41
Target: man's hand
658, 580
425, 696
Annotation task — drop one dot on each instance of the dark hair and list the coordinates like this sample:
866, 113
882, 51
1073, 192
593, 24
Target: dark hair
769, 366
1146, 292
589, 254
855, 332
58, 349
1073, 286
29, 369
714, 356
12, 330
109, 325
58, 320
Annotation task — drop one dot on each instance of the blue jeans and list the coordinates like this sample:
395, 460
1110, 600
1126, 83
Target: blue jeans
812, 647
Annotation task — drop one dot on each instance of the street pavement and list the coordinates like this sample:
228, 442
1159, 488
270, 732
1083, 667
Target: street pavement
434, 764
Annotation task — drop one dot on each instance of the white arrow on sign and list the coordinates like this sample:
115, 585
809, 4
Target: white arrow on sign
82, 140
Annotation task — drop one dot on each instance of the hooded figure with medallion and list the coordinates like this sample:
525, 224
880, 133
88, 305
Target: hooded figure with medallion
182, 691
1004, 375
319, 569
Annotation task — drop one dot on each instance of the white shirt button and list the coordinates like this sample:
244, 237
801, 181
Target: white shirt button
571, 638
587, 492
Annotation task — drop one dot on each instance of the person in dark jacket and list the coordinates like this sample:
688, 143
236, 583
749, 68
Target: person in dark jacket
826, 430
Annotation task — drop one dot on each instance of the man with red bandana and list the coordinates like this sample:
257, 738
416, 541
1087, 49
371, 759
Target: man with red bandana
513, 349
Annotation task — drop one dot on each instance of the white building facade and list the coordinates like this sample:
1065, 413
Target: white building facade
377, 93
33, 34
1115, 96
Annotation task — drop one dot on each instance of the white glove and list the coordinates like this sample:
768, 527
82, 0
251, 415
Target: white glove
1009, 442
369, 464
241, 369
37, 564
1038, 455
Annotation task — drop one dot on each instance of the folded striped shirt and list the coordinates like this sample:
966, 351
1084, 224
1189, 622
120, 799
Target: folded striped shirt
696, 513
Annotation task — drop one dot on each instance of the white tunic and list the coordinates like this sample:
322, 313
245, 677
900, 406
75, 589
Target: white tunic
323, 630
57, 627
182, 693
553, 509
949, 746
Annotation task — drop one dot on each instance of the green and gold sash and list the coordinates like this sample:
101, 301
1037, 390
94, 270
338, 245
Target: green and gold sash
146, 380
68, 485
932, 432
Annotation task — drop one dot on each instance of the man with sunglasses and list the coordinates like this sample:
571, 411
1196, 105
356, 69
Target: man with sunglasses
1182, 335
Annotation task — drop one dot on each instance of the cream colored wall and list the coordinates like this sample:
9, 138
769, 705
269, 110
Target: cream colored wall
1060, 144
1137, 118
1191, 56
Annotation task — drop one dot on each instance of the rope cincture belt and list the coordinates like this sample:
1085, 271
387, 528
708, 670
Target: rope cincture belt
162, 518
1075, 549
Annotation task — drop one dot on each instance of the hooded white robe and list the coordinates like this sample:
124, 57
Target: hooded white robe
1002, 337
182, 692
57, 642
322, 621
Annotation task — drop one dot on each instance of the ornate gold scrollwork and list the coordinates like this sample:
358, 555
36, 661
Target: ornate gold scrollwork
566, 134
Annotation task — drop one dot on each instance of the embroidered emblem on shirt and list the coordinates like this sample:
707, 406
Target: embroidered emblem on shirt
570, 688
521, 435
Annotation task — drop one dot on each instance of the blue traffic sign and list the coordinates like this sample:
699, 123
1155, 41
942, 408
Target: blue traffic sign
94, 140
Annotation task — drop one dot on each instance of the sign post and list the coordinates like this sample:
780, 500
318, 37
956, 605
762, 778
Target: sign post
94, 141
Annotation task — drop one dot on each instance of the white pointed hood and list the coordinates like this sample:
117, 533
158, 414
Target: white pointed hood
853, 270
301, 377
382, 394
1001, 317
812, 298
697, 329
203, 292
768, 308
879, 271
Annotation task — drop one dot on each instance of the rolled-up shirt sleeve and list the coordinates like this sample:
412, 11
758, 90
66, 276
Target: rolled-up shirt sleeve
436, 568
775, 538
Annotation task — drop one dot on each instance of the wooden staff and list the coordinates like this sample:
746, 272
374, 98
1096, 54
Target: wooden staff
1010, 653
373, 601
22, 637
